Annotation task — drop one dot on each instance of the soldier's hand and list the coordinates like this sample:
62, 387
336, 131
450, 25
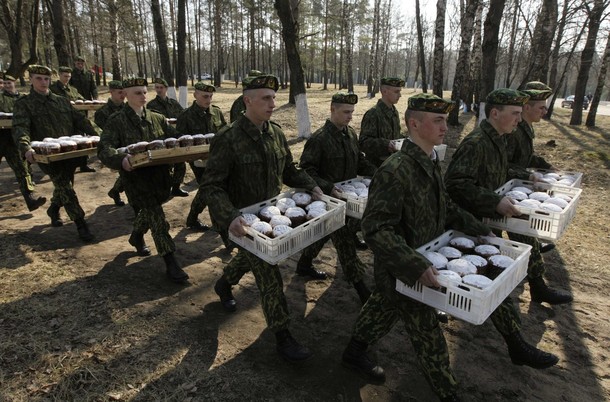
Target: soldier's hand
507, 208
392, 146
29, 155
428, 278
126, 165
317, 193
237, 227
336, 192
535, 176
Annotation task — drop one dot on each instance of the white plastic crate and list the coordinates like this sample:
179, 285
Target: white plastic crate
577, 176
467, 302
535, 222
279, 248
441, 150
354, 205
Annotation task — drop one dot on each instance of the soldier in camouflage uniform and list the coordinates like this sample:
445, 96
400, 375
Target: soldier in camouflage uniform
9, 150
115, 103
83, 80
43, 114
239, 107
147, 188
520, 151
332, 155
200, 118
171, 109
249, 161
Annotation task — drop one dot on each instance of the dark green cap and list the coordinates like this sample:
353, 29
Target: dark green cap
160, 81
38, 69
507, 97
80, 58
393, 82
200, 86
343, 97
135, 82
261, 81
540, 86
254, 73
64, 69
115, 85
537, 90
9, 78
429, 103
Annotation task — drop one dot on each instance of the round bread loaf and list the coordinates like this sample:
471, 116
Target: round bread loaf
437, 260
450, 252
478, 281
277, 220
464, 244
250, 218
301, 199
284, 203
280, 230
452, 276
316, 205
268, 212
297, 215
461, 267
156, 144
497, 265
263, 227
486, 250
185, 141
170, 143
479, 262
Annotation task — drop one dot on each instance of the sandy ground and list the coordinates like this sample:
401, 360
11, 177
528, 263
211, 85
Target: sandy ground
96, 322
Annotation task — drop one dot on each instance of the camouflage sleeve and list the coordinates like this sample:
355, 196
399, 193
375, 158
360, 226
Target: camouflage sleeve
109, 142
517, 172
374, 146
292, 176
21, 126
168, 129
464, 221
182, 124
222, 118
539, 162
311, 158
365, 167
100, 117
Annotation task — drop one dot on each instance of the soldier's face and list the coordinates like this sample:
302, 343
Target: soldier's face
9, 86
505, 121
203, 99
136, 96
260, 104
429, 127
65, 77
79, 64
40, 83
533, 111
161, 90
390, 94
341, 114
117, 95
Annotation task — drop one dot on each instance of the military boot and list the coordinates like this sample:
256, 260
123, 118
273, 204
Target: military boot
173, 270
137, 240
355, 357
289, 348
32, 202
53, 212
522, 353
192, 222
305, 268
83, 230
540, 292
359, 243
363, 292
223, 290
178, 192
116, 197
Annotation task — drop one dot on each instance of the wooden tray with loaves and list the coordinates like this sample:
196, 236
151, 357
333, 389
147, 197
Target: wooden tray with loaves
169, 156
64, 155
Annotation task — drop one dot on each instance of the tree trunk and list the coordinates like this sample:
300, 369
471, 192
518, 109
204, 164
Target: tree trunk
59, 33
181, 44
439, 48
12, 22
252, 39
166, 67
489, 49
470, 90
113, 17
372, 73
542, 42
420, 48
601, 79
220, 68
511, 46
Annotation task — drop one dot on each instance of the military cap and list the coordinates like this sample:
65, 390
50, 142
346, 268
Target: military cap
200, 86
537, 90
429, 103
541, 86
80, 58
261, 81
38, 69
507, 97
342, 97
135, 82
254, 73
9, 78
115, 85
161, 81
393, 82
64, 69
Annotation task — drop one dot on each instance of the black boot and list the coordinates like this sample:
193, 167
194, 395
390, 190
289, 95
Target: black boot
178, 192
522, 353
306, 269
546, 247
137, 240
355, 357
83, 230
33, 203
173, 270
53, 212
289, 348
223, 290
540, 292
195, 224
116, 197
363, 292
359, 243
87, 169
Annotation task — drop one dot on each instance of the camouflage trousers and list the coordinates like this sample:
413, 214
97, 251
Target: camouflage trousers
343, 240
198, 204
153, 218
535, 268
118, 185
18, 165
269, 282
62, 176
178, 173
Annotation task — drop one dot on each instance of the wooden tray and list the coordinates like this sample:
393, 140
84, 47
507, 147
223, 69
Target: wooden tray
169, 156
88, 106
6, 123
64, 155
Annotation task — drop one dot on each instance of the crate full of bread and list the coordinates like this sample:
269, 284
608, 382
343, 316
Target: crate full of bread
67, 147
283, 225
355, 192
476, 274
546, 209
558, 177
168, 151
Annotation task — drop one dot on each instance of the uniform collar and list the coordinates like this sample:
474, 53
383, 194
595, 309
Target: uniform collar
492, 133
427, 162
334, 130
246, 125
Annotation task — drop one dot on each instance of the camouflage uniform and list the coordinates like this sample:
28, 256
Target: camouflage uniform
237, 108
379, 126
100, 118
408, 207
246, 166
66, 91
332, 155
38, 116
84, 83
147, 188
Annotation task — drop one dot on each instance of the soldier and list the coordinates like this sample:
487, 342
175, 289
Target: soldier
83, 80
201, 117
115, 103
408, 207
171, 109
520, 151
9, 150
238, 107
43, 114
332, 155
147, 188
249, 161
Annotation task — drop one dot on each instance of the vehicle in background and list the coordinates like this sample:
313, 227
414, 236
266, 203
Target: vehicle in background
567, 102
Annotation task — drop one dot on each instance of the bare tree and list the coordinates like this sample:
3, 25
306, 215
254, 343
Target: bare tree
420, 48
13, 23
166, 67
491, 30
56, 8
601, 79
181, 39
542, 41
439, 48
373, 74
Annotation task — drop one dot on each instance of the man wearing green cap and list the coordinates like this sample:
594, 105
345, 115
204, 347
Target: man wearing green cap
200, 118
332, 155
43, 114
171, 109
520, 150
115, 103
249, 162
83, 80
147, 188
238, 107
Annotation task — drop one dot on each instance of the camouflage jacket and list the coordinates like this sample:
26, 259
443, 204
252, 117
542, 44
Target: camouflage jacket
520, 151
332, 155
169, 107
196, 120
145, 186
478, 167
408, 207
237, 108
246, 166
102, 114
84, 83
379, 126
37, 116
7, 101
65, 91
